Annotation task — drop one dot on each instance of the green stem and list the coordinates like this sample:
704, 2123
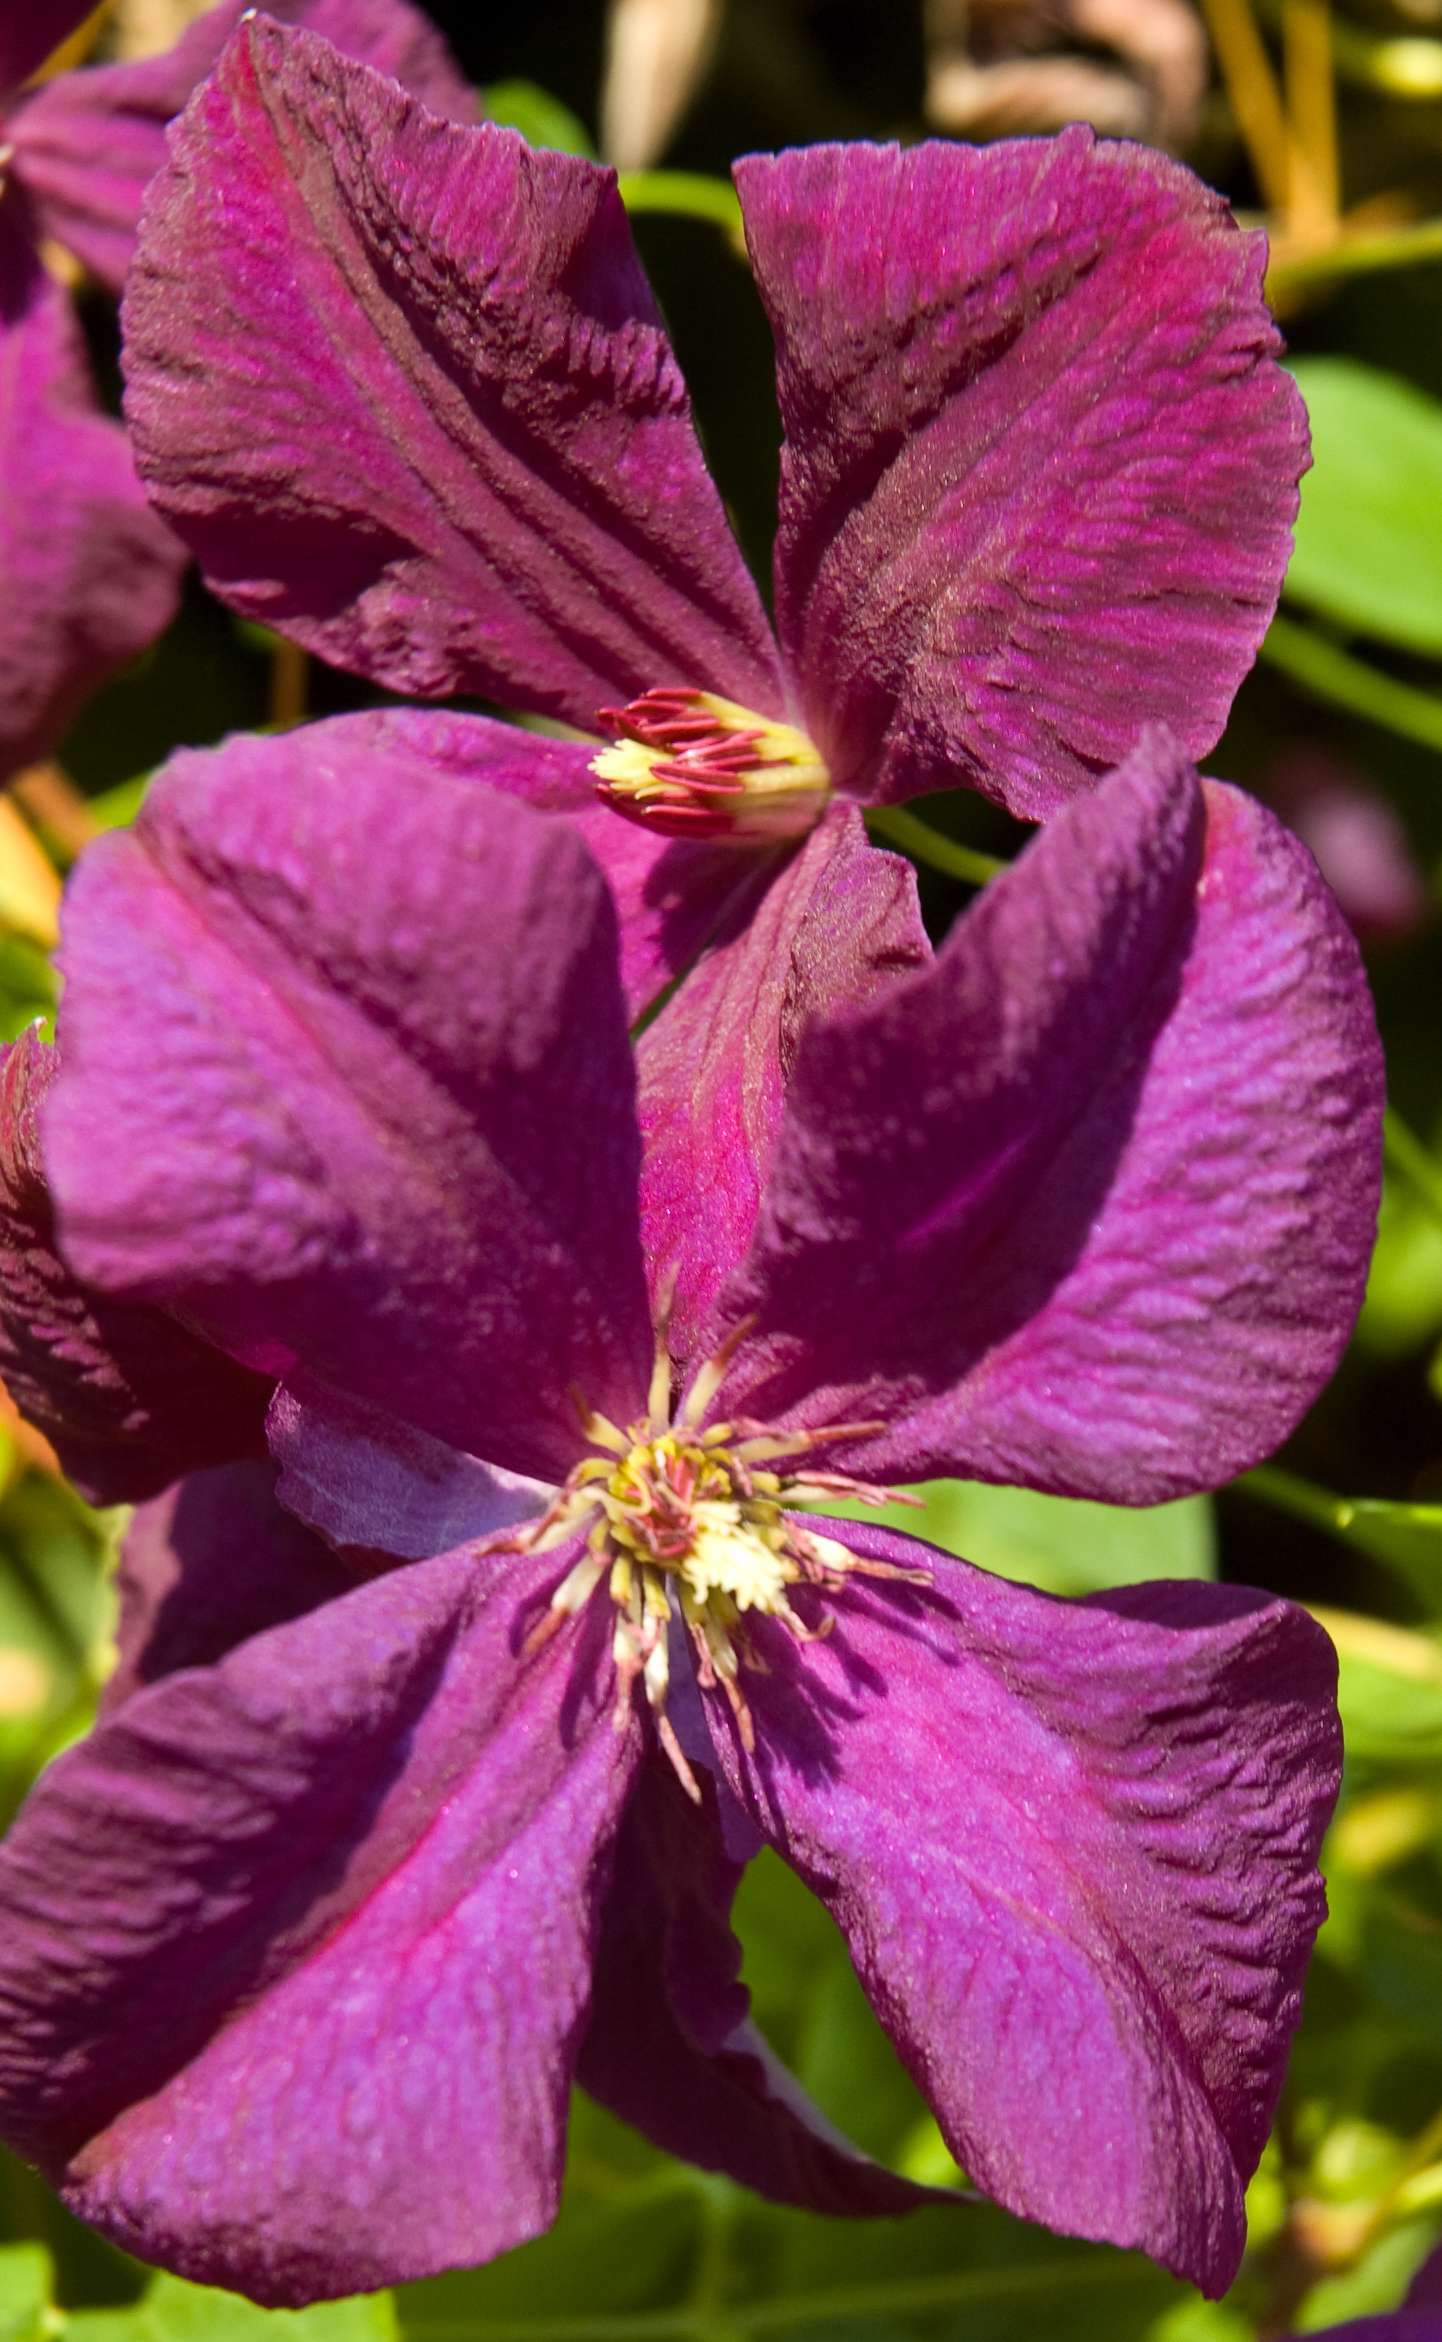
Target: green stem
1357, 256
1352, 683
691, 195
925, 844
1303, 1499
1413, 1162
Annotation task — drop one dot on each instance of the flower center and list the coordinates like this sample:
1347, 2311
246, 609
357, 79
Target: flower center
691, 765
687, 1523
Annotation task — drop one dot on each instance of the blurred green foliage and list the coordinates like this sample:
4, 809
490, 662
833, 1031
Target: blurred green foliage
1349, 2196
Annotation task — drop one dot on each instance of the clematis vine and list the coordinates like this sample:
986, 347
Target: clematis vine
92, 572
571, 1354
404, 389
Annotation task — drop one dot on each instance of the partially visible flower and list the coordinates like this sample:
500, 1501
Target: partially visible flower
1360, 842
1134, 68
91, 572
303, 1948
404, 389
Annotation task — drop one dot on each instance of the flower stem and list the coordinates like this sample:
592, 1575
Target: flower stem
1358, 255
289, 678
1255, 98
1333, 674
1413, 1162
1314, 182
925, 844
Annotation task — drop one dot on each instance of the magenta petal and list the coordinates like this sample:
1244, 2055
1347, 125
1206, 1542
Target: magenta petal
211, 1562
1041, 465
364, 1479
1087, 1204
91, 575
669, 895
714, 1066
30, 30
87, 144
347, 1082
670, 2047
129, 1398
404, 389
1073, 1849
296, 1949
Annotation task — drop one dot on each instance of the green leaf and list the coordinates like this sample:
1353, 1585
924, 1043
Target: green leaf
116, 808
26, 2282
541, 119
1389, 1688
172, 2311
1059, 1543
1368, 551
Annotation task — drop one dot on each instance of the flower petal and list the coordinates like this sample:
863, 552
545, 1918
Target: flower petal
348, 1083
713, 1068
366, 1480
211, 1562
1041, 465
404, 389
128, 1397
670, 2047
1073, 1849
87, 144
669, 895
91, 575
296, 1948
1087, 1204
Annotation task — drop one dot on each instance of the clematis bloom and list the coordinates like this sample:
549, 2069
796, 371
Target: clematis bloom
92, 573
571, 1352
404, 389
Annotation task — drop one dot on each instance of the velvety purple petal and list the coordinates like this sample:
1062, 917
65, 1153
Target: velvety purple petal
1072, 1847
714, 1066
87, 144
404, 389
128, 1397
211, 1562
670, 2046
364, 1479
30, 30
296, 1949
91, 575
1087, 1204
1041, 465
348, 1083
669, 895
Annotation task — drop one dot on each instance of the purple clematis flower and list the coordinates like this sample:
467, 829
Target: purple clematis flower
446, 1802
405, 391
92, 573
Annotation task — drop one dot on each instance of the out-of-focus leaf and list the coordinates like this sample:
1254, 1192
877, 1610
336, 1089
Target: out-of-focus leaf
27, 985
541, 119
171, 2311
1336, 675
25, 2291
54, 1617
1060, 1543
1389, 1688
1403, 1308
116, 808
1368, 551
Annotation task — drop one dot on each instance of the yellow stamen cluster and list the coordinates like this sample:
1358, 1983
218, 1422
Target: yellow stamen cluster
690, 764
687, 1524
